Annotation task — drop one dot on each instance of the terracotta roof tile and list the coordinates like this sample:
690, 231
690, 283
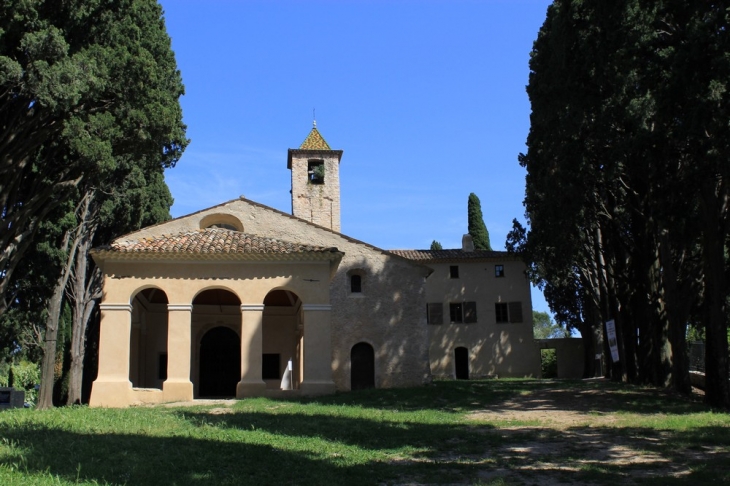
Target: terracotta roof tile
213, 241
314, 141
443, 256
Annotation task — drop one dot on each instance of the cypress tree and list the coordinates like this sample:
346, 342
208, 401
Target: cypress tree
435, 245
477, 228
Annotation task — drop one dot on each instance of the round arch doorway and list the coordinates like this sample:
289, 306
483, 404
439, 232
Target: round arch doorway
362, 367
220, 362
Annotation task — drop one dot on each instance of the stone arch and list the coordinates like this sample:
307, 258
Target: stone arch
216, 346
362, 366
148, 338
221, 220
461, 363
282, 337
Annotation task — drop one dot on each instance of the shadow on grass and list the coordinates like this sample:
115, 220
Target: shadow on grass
581, 454
565, 395
288, 442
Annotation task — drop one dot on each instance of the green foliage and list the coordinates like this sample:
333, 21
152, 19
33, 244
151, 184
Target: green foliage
25, 375
626, 189
549, 363
477, 228
543, 327
435, 245
88, 89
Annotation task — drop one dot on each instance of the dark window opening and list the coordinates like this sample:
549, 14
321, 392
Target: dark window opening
270, 367
315, 171
499, 270
162, 367
454, 271
455, 312
355, 284
500, 309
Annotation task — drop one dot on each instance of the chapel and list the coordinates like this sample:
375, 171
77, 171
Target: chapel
242, 299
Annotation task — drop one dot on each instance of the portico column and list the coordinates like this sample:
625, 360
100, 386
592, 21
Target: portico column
251, 383
178, 386
317, 379
112, 387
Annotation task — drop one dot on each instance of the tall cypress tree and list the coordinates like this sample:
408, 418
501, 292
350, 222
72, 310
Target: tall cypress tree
477, 228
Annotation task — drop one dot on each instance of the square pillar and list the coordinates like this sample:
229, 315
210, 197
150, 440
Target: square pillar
317, 379
178, 387
112, 387
252, 333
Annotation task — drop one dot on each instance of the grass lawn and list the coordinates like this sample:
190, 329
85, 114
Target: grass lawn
499, 432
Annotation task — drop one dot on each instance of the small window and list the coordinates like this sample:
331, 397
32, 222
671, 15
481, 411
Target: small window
355, 284
435, 313
456, 312
162, 367
499, 270
500, 310
270, 367
315, 171
454, 271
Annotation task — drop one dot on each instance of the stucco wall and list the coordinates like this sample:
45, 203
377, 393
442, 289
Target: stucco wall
495, 349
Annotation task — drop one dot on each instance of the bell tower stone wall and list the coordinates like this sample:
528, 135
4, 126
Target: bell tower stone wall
315, 182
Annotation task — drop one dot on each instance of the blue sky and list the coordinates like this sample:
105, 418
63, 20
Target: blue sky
426, 99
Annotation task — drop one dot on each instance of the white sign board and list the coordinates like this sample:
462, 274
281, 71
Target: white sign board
612, 343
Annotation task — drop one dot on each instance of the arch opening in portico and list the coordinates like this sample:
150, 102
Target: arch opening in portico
282, 338
216, 327
148, 339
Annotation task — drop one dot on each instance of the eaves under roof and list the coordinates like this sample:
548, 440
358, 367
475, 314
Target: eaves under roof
453, 256
215, 244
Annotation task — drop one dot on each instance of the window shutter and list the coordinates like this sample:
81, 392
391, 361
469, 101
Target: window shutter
470, 312
515, 311
435, 313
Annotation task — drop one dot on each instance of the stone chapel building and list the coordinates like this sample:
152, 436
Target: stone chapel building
243, 300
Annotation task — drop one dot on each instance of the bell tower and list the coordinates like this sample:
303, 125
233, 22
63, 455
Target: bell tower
315, 181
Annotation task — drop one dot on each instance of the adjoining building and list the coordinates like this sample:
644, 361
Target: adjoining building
241, 299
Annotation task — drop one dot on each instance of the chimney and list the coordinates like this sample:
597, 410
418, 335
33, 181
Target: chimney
467, 244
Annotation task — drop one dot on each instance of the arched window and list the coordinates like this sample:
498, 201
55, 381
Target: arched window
355, 284
221, 220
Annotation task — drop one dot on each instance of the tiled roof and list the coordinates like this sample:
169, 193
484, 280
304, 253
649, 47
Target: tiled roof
444, 256
212, 241
314, 141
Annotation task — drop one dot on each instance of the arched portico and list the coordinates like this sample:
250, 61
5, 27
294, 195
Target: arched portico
211, 278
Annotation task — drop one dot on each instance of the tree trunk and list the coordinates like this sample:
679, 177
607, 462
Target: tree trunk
85, 294
82, 292
45, 397
717, 391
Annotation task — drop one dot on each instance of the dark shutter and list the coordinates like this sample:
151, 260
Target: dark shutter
435, 313
470, 312
515, 311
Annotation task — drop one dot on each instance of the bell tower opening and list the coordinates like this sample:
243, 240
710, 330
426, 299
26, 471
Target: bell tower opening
315, 181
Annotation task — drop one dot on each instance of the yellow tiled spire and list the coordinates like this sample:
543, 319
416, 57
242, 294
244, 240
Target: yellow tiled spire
314, 141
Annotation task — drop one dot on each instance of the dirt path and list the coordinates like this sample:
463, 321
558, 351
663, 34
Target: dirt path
579, 430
